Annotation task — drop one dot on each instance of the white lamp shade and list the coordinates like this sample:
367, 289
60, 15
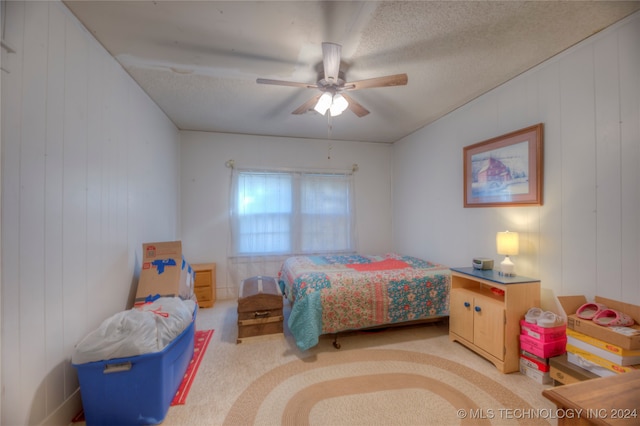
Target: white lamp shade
323, 103
339, 105
507, 243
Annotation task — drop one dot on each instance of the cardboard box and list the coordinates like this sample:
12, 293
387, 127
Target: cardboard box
570, 304
566, 372
541, 333
542, 349
537, 375
602, 362
586, 343
589, 366
534, 363
535, 357
602, 344
164, 272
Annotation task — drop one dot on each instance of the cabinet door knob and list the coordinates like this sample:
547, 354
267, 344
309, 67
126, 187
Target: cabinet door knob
477, 308
467, 304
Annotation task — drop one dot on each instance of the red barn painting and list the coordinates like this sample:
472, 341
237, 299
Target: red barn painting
494, 173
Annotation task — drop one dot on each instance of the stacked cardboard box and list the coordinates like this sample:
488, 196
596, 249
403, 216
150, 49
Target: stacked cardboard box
537, 346
600, 357
604, 351
164, 272
564, 373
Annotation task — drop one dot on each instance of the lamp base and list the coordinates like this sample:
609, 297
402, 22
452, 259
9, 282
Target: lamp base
507, 268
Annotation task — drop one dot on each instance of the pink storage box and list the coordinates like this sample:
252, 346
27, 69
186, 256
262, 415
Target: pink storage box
543, 334
543, 349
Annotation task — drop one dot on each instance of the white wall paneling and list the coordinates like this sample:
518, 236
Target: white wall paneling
629, 65
11, 128
74, 194
3, 51
585, 239
607, 166
86, 160
577, 106
54, 141
550, 245
31, 207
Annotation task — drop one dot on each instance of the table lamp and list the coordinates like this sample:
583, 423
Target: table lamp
507, 244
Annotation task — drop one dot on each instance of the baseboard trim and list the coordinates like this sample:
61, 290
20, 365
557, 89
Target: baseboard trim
65, 412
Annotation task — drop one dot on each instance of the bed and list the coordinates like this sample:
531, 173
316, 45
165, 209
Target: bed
334, 293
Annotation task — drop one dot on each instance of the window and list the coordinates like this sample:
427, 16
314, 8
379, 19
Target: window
275, 212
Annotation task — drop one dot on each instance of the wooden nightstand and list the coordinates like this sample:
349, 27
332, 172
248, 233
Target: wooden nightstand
485, 312
205, 284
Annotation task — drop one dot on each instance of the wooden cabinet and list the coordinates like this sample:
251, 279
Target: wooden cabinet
485, 312
478, 319
205, 283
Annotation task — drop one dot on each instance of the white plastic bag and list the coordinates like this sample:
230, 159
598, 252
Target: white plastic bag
172, 316
137, 331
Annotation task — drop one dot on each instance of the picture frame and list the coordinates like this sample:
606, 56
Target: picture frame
506, 170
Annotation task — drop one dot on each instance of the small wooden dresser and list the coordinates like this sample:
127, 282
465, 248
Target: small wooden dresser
259, 307
204, 285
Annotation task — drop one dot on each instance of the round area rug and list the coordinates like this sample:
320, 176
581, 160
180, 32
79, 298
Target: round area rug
378, 386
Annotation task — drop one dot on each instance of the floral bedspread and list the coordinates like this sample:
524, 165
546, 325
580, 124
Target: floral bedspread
348, 292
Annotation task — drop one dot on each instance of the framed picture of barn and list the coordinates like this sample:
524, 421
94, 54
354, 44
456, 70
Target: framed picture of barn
505, 170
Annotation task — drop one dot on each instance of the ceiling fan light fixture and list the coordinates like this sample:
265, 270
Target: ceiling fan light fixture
331, 81
323, 103
338, 105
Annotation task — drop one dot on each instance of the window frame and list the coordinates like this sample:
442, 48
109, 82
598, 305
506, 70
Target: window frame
295, 231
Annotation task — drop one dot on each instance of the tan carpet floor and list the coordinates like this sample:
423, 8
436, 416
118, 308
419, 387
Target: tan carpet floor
409, 375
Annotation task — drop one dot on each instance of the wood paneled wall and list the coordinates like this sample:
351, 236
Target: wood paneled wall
90, 171
585, 238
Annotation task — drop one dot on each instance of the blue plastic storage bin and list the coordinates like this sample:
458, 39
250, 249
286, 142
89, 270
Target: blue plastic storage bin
136, 390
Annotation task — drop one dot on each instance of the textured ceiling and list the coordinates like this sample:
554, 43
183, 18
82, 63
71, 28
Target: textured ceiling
199, 60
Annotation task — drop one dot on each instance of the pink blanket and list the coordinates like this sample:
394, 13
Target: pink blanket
383, 265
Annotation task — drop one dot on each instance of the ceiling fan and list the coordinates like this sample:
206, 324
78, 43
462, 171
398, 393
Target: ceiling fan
332, 86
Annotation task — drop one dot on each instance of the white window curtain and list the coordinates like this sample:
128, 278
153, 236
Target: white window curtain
277, 214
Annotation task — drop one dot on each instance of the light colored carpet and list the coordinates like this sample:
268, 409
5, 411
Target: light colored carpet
410, 375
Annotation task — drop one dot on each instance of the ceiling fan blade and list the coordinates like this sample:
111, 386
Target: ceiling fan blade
355, 107
390, 80
286, 83
307, 105
331, 61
